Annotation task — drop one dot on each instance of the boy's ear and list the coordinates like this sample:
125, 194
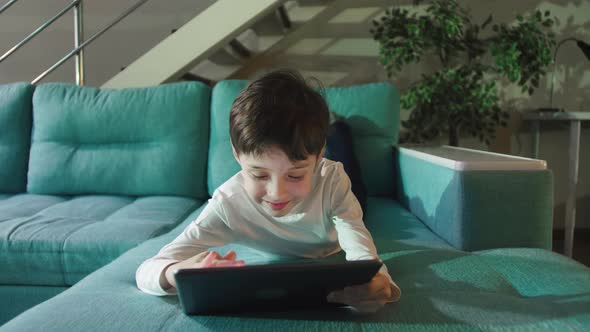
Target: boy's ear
235, 153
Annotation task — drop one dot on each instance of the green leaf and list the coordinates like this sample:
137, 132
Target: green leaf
462, 91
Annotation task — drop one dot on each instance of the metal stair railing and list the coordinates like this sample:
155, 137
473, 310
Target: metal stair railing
79, 45
38, 30
8, 4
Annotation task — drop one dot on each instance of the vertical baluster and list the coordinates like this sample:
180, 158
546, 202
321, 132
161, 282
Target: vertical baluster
78, 39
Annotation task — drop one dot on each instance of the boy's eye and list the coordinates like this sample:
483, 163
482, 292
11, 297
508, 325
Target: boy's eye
259, 177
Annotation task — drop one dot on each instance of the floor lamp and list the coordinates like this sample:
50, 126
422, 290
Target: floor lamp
585, 49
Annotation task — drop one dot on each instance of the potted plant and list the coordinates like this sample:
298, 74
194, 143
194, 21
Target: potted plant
462, 96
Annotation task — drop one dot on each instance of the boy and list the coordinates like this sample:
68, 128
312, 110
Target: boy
287, 199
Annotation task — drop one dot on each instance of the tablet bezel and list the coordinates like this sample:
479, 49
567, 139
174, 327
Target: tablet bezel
302, 283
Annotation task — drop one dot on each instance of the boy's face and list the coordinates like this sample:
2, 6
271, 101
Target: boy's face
274, 181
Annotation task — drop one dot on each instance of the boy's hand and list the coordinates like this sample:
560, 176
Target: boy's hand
365, 298
203, 260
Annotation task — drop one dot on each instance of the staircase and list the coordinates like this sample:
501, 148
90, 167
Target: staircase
301, 34
230, 39
194, 42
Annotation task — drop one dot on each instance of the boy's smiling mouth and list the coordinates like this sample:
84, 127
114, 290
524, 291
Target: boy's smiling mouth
277, 206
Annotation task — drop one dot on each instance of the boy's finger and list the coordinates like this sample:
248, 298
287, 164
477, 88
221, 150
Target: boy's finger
370, 291
360, 305
355, 292
365, 308
229, 263
238, 263
231, 255
354, 296
209, 259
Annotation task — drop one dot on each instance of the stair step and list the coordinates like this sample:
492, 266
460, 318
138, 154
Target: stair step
193, 42
214, 71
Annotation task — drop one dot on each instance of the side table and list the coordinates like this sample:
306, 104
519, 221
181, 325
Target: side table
575, 119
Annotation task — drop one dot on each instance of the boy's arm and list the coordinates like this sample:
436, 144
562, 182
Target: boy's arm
208, 230
353, 236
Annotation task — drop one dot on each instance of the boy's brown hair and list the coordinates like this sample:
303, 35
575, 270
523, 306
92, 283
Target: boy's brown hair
279, 109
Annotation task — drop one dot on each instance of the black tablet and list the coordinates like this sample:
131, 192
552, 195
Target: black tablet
268, 287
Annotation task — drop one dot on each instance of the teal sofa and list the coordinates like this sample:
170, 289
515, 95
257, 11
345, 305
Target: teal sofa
93, 182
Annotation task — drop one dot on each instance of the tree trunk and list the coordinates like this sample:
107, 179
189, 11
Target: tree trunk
453, 135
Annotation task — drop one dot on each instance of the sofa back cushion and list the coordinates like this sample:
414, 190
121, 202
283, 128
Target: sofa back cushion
15, 135
371, 111
136, 141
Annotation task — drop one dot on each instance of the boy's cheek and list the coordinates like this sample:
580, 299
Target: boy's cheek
304, 189
255, 191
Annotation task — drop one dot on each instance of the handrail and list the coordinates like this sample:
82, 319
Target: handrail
90, 40
39, 29
8, 4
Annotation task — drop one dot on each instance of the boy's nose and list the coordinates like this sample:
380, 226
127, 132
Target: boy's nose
275, 189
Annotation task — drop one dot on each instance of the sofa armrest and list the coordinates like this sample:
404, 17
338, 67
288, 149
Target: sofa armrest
477, 200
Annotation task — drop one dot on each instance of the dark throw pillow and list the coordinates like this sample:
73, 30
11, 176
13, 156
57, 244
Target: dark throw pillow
339, 147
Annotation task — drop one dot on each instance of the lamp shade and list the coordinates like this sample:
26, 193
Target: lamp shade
585, 49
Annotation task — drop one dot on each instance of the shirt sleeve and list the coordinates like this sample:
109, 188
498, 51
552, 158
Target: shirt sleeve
353, 236
208, 230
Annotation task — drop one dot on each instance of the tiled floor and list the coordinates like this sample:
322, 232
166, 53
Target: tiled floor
581, 245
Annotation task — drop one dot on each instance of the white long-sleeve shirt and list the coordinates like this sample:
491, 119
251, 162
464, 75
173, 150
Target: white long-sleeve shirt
328, 220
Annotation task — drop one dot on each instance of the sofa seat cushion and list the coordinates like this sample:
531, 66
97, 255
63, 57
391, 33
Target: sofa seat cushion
519, 267
58, 240
442, 289
15, 299
394, 228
